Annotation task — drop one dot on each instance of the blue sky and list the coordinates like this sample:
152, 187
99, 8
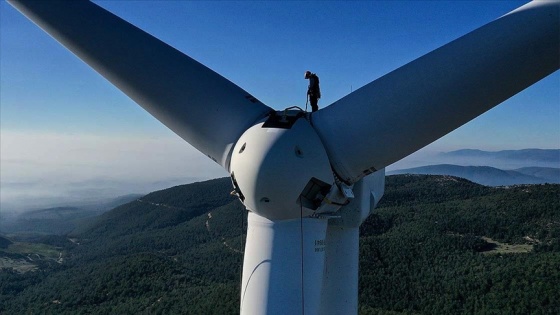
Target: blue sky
63, 123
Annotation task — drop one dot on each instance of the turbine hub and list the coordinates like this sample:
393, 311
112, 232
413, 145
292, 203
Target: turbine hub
274, 161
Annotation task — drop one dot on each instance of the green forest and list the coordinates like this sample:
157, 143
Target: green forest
434, 245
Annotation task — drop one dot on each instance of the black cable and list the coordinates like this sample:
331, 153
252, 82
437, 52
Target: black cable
242, 249
301, 246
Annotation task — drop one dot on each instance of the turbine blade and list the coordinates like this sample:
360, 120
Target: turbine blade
407, 109
199, 105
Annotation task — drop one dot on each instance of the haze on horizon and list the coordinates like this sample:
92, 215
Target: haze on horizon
68, 135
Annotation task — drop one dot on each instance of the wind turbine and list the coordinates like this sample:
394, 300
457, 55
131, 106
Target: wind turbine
307, 182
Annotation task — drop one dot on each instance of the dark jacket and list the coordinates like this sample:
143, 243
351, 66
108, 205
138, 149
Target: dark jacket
313, 89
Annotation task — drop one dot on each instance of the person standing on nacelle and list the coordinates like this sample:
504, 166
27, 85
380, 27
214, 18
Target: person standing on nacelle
313, 90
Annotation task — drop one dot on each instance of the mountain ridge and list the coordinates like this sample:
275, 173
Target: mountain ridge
487, 175
535, 155
58, 220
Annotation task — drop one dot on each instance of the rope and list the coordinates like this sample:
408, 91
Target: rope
301, 246
241, 241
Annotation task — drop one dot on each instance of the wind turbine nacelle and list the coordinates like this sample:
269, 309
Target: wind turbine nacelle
275, 161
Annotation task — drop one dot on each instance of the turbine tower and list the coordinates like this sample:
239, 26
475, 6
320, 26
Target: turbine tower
305, 179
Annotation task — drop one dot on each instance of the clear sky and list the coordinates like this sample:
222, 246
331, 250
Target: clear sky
65, 131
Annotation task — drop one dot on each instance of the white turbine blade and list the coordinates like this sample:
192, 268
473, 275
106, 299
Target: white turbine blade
431, 96
199, 105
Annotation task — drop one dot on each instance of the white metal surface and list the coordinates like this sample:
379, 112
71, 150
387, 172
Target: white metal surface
199, 105
368, 191
340, 281
431, 96
339, 294
279, 276
272, 166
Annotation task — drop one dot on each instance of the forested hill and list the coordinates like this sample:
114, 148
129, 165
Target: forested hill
160, 209
435, 245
